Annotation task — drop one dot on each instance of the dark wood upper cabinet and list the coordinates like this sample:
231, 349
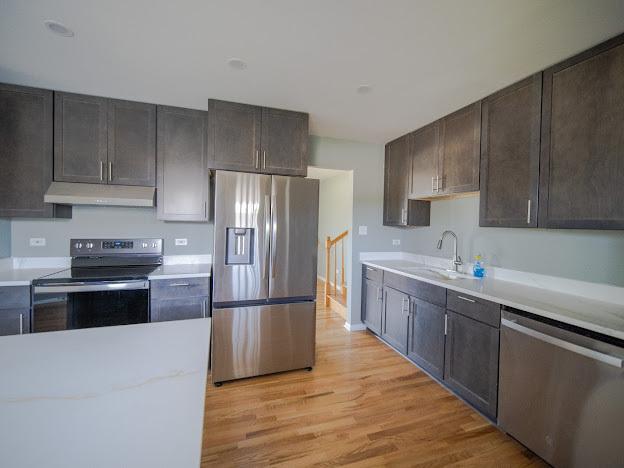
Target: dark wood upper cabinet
131, 143
26, 153
80, 138
182, 166
284, 142
423, 170
582, 149
510, 151
458, 163
398, 210
248, 138
234, 132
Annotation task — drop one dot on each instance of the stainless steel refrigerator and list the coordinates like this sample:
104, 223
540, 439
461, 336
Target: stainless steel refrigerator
264, 274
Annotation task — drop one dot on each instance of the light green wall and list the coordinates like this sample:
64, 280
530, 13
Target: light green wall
335, 207
596, 256
99, 221
5, 238
366, 160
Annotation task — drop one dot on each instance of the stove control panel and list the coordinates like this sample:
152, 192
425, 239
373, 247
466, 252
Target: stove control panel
115, 247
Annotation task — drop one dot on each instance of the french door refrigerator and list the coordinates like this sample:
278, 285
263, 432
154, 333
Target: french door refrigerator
264, 274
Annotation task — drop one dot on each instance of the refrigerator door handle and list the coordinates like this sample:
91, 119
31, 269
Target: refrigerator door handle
273, 233
267, 233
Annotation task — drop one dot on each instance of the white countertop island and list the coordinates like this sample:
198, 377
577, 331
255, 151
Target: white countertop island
129, 395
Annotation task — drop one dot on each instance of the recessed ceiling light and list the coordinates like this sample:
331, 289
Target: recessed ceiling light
58, 28
364, 89
236, 63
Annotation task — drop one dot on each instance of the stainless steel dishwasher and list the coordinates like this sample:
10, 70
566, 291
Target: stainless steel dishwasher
561, 391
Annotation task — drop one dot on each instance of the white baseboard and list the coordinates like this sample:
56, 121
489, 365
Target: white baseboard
353, 327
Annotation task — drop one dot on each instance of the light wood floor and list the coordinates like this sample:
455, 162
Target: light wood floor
362, 405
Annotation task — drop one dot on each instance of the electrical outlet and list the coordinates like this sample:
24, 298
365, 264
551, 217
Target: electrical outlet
363, 230
181, 242
396, 241
37, 242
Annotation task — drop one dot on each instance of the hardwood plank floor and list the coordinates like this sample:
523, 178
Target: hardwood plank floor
362, 405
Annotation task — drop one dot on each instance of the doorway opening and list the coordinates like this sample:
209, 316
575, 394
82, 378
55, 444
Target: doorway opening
335, 236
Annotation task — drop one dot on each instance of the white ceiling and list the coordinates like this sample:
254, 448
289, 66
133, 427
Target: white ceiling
422, 58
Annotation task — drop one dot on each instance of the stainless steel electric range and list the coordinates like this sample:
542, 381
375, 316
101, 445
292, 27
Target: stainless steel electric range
106, 285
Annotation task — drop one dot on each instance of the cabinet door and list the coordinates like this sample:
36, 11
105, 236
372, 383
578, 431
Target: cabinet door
372, 305
131, 143
14, 321
396, 182
80, 138
424, 150
284, 142
426, 336
458, 164
165, 310
25, 151
183, 185
471, 362
394, 326
510, 145
234, 132
582, 151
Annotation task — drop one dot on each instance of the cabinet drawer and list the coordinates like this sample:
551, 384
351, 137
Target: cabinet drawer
14, 296
165, 310
419, 289
180, 287
372, 273
473, 307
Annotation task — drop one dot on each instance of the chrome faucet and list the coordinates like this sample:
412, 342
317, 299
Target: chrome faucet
457, 261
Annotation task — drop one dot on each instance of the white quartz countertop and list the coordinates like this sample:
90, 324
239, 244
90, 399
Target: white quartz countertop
181, 271
23, 276
602, 317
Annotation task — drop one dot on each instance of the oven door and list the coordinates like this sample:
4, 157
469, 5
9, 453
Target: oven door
68, 306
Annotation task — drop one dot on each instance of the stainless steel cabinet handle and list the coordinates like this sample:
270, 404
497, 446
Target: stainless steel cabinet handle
432, 185
110, 171
21, 321
466, 299
445, 324
378, 296
528, 211
264, 159
267, 233
204, 308
587, 352
257, 159
205, 209
173, 285
101, 170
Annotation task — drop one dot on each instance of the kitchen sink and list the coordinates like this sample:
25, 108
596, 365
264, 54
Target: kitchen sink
441, 272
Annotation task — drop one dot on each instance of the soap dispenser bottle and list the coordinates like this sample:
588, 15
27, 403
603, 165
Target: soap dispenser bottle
478, 269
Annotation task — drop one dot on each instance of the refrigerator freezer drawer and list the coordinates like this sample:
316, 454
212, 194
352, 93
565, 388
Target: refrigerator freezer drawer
257, 340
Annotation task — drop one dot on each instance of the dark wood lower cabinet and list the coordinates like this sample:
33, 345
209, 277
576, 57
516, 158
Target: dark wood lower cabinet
164, 310
426, 336
471, 362
394, 323
15, 321
372, 294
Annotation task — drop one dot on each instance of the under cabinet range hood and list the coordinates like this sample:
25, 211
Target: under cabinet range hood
69, 193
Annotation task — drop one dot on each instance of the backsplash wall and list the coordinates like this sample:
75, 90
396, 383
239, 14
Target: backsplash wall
5, 238
100, 221
588, 255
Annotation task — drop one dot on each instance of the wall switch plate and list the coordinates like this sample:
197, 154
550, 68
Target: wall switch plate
37, 242
181, 242
396, 241
363, 230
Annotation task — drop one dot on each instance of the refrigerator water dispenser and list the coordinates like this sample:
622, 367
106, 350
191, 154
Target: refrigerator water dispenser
239, 246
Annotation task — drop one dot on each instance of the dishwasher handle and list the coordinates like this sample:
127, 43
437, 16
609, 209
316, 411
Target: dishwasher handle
587, 352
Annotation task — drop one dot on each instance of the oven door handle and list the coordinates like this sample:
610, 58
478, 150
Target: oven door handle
91, 287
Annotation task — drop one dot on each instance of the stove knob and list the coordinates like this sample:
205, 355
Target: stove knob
144, 245
89, 245
154, 245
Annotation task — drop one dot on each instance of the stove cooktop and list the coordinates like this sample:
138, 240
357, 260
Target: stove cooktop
93, 274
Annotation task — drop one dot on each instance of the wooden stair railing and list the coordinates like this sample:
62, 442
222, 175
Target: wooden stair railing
329, 244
